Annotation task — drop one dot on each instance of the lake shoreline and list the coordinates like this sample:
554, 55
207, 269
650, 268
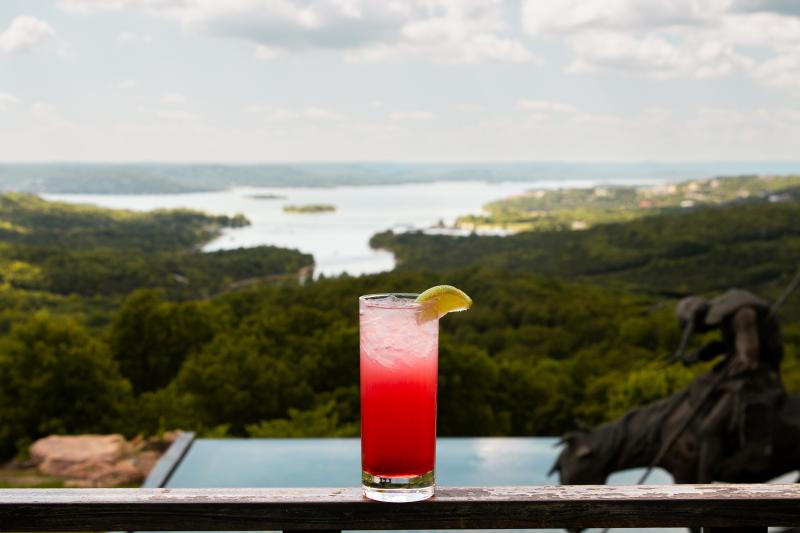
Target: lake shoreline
339, 241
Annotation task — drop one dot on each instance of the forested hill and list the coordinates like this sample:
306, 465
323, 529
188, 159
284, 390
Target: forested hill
73, 249
753, 245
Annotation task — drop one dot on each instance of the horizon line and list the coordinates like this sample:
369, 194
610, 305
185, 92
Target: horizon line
398, 162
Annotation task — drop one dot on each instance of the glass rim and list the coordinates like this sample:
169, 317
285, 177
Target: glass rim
373, 300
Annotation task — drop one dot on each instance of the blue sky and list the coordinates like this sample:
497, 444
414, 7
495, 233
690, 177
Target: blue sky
426, 80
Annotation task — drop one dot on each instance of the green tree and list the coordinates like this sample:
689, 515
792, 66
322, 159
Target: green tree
164, 409
57, 378
645, 385
467, 381
538, 398
151, 337
320, 421
237, 380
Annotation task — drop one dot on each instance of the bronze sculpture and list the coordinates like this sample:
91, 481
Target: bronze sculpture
589, 456
731, 424
747, 400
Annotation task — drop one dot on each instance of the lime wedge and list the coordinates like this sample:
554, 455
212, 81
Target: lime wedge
444, 299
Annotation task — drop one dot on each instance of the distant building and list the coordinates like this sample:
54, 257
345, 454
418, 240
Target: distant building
696, 196
659, 190
578, 225
780, 198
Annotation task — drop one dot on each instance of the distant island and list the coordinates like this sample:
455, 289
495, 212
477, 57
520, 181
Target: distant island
309, 208
266, 196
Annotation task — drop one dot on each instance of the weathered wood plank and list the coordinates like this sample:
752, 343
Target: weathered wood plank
316, 531
452, 508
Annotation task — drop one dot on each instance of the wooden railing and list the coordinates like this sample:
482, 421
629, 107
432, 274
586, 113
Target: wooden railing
738, 506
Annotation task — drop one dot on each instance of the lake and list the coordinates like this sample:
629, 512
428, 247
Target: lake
339, 241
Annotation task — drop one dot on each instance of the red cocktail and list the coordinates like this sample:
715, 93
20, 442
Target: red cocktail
399, 352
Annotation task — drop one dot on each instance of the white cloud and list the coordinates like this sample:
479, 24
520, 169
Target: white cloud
451, 32
780, 35
127, 85
780, 71
8, 100
128, 37
470, 108
23, 34
447, 31
273, 114
277, 114
675, 38
316, 113
267, 53
703, 133
175, 115
546, 106
562, 113
600, 119
47, 115
174, 99
562, 16
412, 115
87, 6
652, 54
490, 47
40, 109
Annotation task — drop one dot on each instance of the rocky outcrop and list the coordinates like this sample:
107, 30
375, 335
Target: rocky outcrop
58, 455
98, 460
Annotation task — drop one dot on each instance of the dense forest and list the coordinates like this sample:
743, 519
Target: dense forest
114, 321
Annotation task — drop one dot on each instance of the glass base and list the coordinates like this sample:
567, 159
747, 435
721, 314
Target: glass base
398, 489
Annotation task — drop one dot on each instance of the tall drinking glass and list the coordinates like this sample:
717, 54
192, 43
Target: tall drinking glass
399, 359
